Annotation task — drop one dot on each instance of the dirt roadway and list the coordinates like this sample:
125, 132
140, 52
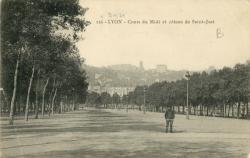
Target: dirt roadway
95, 133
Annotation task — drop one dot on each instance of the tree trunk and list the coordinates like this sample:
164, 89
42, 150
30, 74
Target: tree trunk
228, 111
207, 110
247, 110
73, 104
12, 104
28, 94
238, 110
232, 110
213, 110
44, 90
53, 102
37, 86
50, 96
204, 110
61, 107
201, 110
224, 110
50, 102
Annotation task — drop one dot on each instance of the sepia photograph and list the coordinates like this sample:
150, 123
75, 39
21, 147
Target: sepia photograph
125, 79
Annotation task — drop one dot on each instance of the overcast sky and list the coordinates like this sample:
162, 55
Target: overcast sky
179, 46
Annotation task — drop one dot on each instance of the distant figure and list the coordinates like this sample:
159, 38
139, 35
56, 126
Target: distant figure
243, 112
169, 116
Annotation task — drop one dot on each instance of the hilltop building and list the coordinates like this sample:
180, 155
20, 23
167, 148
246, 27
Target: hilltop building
119, 90
111, 90
161, 68
141, 67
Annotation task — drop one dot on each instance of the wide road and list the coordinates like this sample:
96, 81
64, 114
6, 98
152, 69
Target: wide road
95, 133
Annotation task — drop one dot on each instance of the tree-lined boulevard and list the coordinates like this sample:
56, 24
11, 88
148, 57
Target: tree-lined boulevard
46, 109
42, 71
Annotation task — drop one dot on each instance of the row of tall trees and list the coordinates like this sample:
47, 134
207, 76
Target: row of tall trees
224, 92
41, 64
103, 100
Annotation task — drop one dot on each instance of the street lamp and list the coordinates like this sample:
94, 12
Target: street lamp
1, 99
187, 75
127, 101
144, 100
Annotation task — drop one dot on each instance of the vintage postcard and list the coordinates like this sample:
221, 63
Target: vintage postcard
125, 78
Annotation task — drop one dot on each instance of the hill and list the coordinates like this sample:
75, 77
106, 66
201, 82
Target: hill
126, 75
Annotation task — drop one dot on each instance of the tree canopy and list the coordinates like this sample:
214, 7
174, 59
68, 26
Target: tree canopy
38, 41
